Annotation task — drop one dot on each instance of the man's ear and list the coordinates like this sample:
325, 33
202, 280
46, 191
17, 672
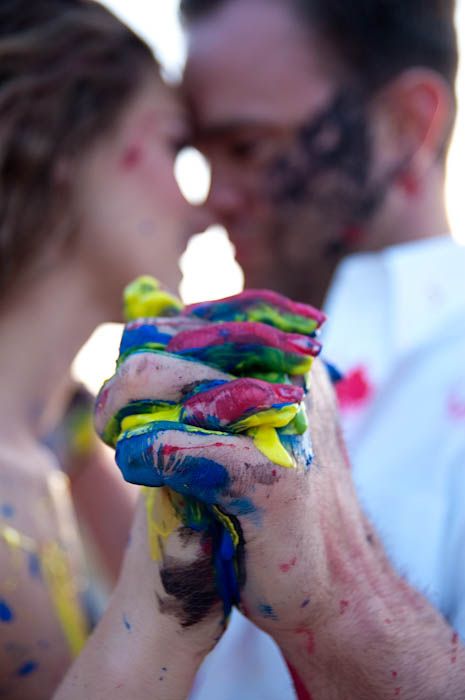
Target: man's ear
417, 112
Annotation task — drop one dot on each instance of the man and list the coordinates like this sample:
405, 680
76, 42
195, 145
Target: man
326, 124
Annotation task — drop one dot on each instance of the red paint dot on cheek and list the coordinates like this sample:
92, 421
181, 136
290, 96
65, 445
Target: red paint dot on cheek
131, 157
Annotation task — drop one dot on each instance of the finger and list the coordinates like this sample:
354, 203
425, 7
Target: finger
211, 468
149, 377
242, 404
263, 306
154, 333
242, 348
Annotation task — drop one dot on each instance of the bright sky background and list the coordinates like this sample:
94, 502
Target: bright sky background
156, 21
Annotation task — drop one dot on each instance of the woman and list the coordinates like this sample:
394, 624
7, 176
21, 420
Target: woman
88, 201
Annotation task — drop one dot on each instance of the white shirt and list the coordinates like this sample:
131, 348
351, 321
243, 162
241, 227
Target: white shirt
397, 330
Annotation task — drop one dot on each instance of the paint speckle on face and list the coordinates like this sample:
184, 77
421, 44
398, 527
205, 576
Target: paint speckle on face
7, 510
397, 692
267, 612
6, 613
343, 606
27, 668
285, 568
126, 623
394, 674
131, 157
305, 603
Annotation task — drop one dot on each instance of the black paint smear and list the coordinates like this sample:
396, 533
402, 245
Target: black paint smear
192, 590
327, 166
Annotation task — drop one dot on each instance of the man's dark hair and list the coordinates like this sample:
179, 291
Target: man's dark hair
377, 38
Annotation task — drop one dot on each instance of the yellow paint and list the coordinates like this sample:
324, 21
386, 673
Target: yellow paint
144, 299
273, 418
59, 580
267, 440
60, 583
303, 367
227, 522
162, 519
171, 414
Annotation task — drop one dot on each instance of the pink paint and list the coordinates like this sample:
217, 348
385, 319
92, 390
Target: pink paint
397, 692
301, 691
285, 568
309, 639
394, 674
455, 639
343, 605
169, 450
355, 390
456, 408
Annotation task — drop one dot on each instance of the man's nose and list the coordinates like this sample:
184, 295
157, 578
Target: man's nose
224, 201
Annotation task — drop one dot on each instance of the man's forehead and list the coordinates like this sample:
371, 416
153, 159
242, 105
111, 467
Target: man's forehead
251, 60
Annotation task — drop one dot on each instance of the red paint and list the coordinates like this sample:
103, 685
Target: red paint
169, 450
394, 674
455, 639
343, 605
131, 157
409, 183
355, 390
244, 333
285, 568
397, 692
300, 689
309, 639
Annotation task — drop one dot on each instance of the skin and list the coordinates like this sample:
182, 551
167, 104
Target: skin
131, 214
246, 126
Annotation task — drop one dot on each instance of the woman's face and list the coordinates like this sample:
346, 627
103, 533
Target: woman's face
132, 217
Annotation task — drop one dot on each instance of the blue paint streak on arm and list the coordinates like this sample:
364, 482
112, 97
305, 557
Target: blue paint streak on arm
27, 668
334, 374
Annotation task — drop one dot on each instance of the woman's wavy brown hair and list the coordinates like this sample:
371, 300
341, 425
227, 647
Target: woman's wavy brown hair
67, 70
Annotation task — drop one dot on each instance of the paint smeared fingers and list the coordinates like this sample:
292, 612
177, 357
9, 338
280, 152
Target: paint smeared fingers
241, 404
208, 467
247, 347
155, 333
147, 376
264, 306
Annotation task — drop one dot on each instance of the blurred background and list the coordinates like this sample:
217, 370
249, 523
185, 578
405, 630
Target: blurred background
157, 22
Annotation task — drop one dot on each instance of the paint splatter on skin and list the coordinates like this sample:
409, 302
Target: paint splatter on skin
309, 638
6, 613
131, 157
27, 669
285, 568
191, 590
7, 510
300, 689
34, 566
267, 612
126, 623
305, 603
343, 606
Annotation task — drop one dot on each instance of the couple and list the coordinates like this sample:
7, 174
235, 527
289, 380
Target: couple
326, 128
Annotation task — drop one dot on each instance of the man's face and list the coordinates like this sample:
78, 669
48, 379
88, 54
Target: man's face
289, 147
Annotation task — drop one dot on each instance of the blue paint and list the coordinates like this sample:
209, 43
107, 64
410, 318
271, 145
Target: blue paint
305, 603
34, 566
334, 374
267, 612
6, 613
126, 623
199, 477
7, 510
27, 668
138, 337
